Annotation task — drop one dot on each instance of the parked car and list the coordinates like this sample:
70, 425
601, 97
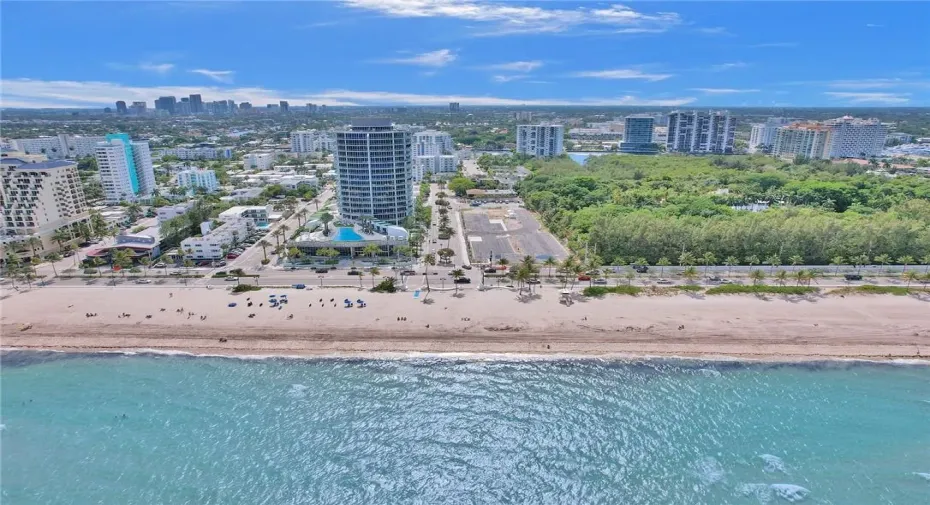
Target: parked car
463, 280
408, 272
852, 277
322, 270
355, 272
177, 272
714, 278
231, 256
601, 282
533, 281
143, 281
664, 281
466, 267
640, 269
158, 265
234, 279
490, 270
583, 277
299, 286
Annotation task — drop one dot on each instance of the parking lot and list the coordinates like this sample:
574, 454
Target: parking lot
507, 231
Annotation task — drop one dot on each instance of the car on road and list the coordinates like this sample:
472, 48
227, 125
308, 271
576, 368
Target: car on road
533, 281
234, 279
714, 279
231, 256
640, 269
490, 270
291, 268
664, 281
177, 272
852, 277
322, 270
143, 281
463, 280
600, 282
355, 272
408, 272
158, 265
584, 277
466, 267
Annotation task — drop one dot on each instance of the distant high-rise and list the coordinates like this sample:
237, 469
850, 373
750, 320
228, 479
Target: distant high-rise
245, 106
205, 179
454, 107
165, 103
121, 107
638, 135
138, 108
807, 140
540, 140
700, 132
196, 104
374, 171
126, 170
523, 115
231, 106
284, 106
311, 108
762, 137
856, 138
183, 108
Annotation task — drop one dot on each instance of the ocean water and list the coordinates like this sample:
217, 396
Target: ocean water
117, 429
582, 158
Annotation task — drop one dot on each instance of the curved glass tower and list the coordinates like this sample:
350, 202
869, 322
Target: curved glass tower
375, 172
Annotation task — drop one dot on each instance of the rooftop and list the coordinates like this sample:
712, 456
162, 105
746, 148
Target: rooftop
45, 165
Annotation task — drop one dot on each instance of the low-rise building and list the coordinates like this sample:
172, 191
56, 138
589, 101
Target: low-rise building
238, 223
242, 194
197, 152
349, 241
173, 211
258, 160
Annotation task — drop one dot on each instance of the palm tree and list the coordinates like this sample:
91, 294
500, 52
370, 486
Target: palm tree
800, 276
905, 260
837, 261
277, 237
283, 231
690, 274
774, 261
882, 259
123, 259
52, 258
662, 263
549, 263
926, 261
429, 259
61, 236
371, 250
757, 276
374, 272
860, 261
145, 261
326, 218
98, 262
264, 245
780, 277
730, 261
910, 277
445, 254
14, 265
752, 260
33, 242
134, 212
456, 275
796, 260
293, 254
685, 259
708, 259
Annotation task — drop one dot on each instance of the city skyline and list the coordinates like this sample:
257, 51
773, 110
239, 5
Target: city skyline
473, 53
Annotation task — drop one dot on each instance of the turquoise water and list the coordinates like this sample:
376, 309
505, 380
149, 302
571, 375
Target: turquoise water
344, 234
230, 431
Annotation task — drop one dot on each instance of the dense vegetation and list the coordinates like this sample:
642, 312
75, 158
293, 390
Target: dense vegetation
627, 207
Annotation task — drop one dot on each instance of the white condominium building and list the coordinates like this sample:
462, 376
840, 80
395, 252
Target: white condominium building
238, 223
856, 138
311, 141
205, 179
433, 153
808, 140
700, 132
374, 170
37, 199
763, 134
423, 166
172, 211
199, 152
259, 160
126, 170
540, 140
59, 147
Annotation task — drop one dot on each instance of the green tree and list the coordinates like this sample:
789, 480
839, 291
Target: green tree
61, 236
905, 260
690, 273
774, 261
188, 264
264, 244
445, 254
371, 250
34, 243
860, 261
123, 259
146, 262
796, 260
456, 275
708, 259
14, 265
730, 261
838, 261
374, 272
134, 212
686, 259
52, 258
781, 277
326, 218
662, 263
757, 276
293, 254
549, 263
429, 259
883, 260
460, 185
752, 260
98, 262
909, 277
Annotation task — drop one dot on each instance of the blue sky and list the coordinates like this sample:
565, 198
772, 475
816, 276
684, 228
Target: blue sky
434, 51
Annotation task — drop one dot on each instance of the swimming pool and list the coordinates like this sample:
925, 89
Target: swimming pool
347, 235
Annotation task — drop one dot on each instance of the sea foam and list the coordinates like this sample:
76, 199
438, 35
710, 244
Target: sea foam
765, 493
772, 464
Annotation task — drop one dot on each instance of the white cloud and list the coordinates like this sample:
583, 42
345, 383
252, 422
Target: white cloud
438, 58
621, 73
716, 30
724, 91
516, 66
508, 19
873, 25
35, 93
866, 83
224, 76
727, 66
885, 98
775, 44
158, 68
507, 78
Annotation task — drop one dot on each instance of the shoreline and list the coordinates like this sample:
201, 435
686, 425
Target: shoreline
469, 325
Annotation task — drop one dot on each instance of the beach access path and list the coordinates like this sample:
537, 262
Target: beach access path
494, 321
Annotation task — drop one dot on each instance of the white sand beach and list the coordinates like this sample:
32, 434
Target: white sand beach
497, 321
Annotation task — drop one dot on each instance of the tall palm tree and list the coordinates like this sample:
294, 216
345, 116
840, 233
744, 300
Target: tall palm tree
882, 259
371, 250
457, 274
264, 245
549, 263
283, 230
61, 236
34, 242
686, 259
326, 218
910, 277
689, 273
730, 261
837, 261
796, 260
774, 261
145, 261
905, 260
757, 276
780, 277
52, 258
374, 272
708, 259
662, 263
429, 259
